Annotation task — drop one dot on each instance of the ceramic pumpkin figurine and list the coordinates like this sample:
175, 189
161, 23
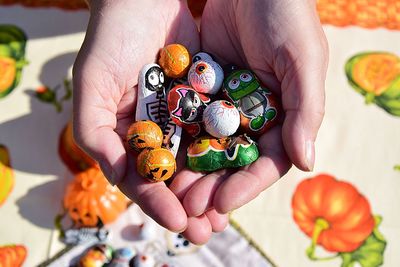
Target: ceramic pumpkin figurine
90, 197
333, 213
156, 164
6, 174
175, 60
142, 134
73, 157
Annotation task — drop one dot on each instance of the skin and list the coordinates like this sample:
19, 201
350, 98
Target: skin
282, 41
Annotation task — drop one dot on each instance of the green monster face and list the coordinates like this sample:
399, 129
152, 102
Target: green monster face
240, 83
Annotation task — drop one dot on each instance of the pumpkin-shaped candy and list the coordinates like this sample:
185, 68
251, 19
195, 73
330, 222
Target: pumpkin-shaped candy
333, 212
142, 134
90, 197
156, 164
73, 157
175, 60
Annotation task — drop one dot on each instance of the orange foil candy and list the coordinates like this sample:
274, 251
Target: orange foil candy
142, 134
175, 60
156, 164
90, 198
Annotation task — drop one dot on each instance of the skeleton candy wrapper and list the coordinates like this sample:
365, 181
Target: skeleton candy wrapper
256, 104
175, 60
206, 76
156, 164
142, 134
211, 154
152, 105
186, 108
221, 119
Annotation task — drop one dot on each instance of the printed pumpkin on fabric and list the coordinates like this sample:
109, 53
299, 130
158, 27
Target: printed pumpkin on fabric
12, 255
376, 75
6, 174
12, 57
336, 216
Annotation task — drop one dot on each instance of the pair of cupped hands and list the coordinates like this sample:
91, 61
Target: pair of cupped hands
280, 40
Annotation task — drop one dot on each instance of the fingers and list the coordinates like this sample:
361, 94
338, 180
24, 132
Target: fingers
245, 184
155, 199
199, 197
199, 229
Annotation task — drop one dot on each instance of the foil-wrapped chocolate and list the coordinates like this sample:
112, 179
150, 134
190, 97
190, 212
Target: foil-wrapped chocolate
186, 107
257, 106
152, 105
211, 154
221, 119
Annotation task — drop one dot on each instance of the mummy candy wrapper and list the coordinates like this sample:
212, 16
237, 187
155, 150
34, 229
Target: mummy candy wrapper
175, 60
211, 154
221, 119
152, 105
186, 107
206, 76
256, 104
156, 164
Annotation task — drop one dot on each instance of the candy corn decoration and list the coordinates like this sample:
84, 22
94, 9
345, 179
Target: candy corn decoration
6, 174
363, 13
12, 255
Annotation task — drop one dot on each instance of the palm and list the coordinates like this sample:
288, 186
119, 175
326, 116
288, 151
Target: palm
268, 38
105, 79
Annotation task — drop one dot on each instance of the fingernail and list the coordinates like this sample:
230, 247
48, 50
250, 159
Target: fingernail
310, 155
108, 172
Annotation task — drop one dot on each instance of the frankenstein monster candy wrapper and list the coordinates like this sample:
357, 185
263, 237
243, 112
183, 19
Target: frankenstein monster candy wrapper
152, 105
211, 154
257, 106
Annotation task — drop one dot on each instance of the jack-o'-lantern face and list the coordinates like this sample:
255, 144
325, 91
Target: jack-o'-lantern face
142, 134
203, 144
156, 164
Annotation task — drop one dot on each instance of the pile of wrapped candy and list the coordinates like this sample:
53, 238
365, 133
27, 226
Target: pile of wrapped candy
222, 109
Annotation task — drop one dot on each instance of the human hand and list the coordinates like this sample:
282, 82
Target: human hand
284, 44
122, 37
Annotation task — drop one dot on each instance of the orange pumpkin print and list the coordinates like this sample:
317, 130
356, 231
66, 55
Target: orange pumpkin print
156, 164
142, 134
73, 157
332, 212
175, 60
90, 197
12, 255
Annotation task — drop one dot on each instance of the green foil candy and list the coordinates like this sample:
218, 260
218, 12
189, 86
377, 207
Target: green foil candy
211, 154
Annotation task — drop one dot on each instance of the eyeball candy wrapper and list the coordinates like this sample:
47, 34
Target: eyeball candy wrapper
206, 76
211, 154
256, 104
152, 105
221, 119
186, 107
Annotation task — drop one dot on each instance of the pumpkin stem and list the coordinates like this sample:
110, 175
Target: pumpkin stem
320, 225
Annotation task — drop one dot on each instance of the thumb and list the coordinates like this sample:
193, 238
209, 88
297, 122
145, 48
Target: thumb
94, 121
303, 100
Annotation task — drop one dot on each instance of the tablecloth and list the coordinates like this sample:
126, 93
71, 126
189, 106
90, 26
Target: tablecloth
358, 145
